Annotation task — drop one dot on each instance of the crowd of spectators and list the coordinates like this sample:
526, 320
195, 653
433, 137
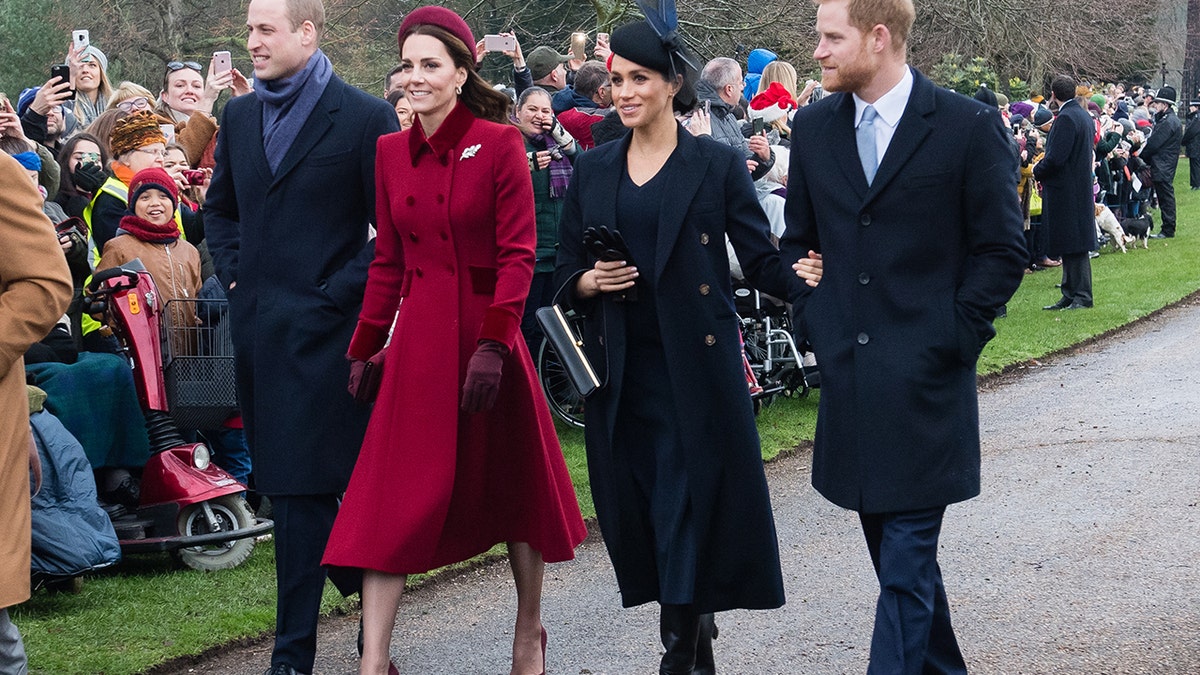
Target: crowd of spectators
86, 141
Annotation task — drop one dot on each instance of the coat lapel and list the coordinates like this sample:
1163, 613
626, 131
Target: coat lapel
607, 180
912, 131
839, 135
683, 181
258, 152
320, 120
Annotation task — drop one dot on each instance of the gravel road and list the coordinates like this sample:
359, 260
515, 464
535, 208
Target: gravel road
1082, 555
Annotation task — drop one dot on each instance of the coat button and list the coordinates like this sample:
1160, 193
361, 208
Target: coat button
410, 201
413, 236
444, 235
865, 219
863, 338
704, 289
704, 238
441, 198
419, 272
600, 338
710, 340
864, 278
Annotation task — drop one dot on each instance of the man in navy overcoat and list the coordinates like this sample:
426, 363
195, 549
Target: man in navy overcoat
1068, 205
287, 221
908, 193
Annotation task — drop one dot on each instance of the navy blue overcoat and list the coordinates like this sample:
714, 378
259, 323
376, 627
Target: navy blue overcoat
296, 243
708, 195
1065, 172
916, 265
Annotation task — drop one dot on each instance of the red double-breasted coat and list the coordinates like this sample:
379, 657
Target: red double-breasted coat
455, 252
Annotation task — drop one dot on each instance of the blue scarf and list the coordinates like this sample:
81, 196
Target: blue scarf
287, 103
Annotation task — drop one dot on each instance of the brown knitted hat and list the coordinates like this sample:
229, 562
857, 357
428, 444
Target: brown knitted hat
135, 131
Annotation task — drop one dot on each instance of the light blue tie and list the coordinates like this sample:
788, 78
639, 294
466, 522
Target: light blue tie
866, 143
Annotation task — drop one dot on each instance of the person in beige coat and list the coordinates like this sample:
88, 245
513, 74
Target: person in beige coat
35, 289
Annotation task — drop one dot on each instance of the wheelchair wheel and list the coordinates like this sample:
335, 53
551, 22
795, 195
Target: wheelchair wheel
560, 393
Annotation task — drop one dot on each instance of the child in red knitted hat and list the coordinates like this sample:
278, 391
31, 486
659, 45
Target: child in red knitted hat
151, 234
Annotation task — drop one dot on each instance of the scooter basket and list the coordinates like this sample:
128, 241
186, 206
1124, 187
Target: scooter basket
198, 363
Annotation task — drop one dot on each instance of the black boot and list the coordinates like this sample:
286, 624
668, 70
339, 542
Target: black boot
704, 650
680, 628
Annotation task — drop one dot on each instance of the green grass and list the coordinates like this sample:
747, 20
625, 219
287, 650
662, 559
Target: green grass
147, 611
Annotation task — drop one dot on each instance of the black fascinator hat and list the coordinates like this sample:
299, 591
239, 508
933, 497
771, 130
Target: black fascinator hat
640, 42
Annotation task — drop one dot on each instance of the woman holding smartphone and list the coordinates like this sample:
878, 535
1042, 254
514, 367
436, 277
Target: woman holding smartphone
460, 453
187, 99
673, 452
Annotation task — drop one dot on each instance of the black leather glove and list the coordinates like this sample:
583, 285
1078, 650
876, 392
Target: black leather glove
89, 177
483, 376
608, 245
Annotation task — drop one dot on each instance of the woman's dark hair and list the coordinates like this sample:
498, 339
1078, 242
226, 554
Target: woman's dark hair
66, 182
394, 97
530, 92
485, 102
11, 145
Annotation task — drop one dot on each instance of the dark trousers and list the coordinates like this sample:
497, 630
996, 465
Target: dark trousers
541, 294
1194, 171
302, 526
1035, 239
913, 635
1077, 278
1166, 205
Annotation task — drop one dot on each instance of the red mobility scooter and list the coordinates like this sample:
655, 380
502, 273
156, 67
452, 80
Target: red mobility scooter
187, 505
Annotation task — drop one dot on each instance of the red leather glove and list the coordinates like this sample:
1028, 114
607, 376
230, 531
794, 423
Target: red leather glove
356, 373
483, 377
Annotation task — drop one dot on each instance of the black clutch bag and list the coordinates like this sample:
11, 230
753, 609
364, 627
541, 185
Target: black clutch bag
569, 346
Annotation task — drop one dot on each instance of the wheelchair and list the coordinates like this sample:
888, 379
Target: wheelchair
775, 364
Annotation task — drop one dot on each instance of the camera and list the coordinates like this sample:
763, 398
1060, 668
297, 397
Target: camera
193, 176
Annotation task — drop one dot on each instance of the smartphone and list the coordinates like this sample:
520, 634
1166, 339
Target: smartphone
499, 43
62, 71
222, 62
168, 130
602, 37
756, 126
80, 39
579, 46
707, 107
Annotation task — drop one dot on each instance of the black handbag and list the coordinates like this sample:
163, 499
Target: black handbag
569, 346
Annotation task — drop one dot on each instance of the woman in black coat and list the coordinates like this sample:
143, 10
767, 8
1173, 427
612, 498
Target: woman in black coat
673, 452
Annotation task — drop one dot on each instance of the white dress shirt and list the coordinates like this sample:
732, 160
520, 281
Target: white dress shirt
890, 107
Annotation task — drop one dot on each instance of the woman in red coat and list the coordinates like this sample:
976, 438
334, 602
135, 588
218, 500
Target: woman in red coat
461, 453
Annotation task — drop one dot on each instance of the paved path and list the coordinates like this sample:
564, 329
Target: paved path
1082, 555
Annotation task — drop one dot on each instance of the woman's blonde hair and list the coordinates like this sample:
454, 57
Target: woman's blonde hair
127, 90
781, 72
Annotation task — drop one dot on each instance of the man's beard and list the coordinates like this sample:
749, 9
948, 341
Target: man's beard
851, 76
